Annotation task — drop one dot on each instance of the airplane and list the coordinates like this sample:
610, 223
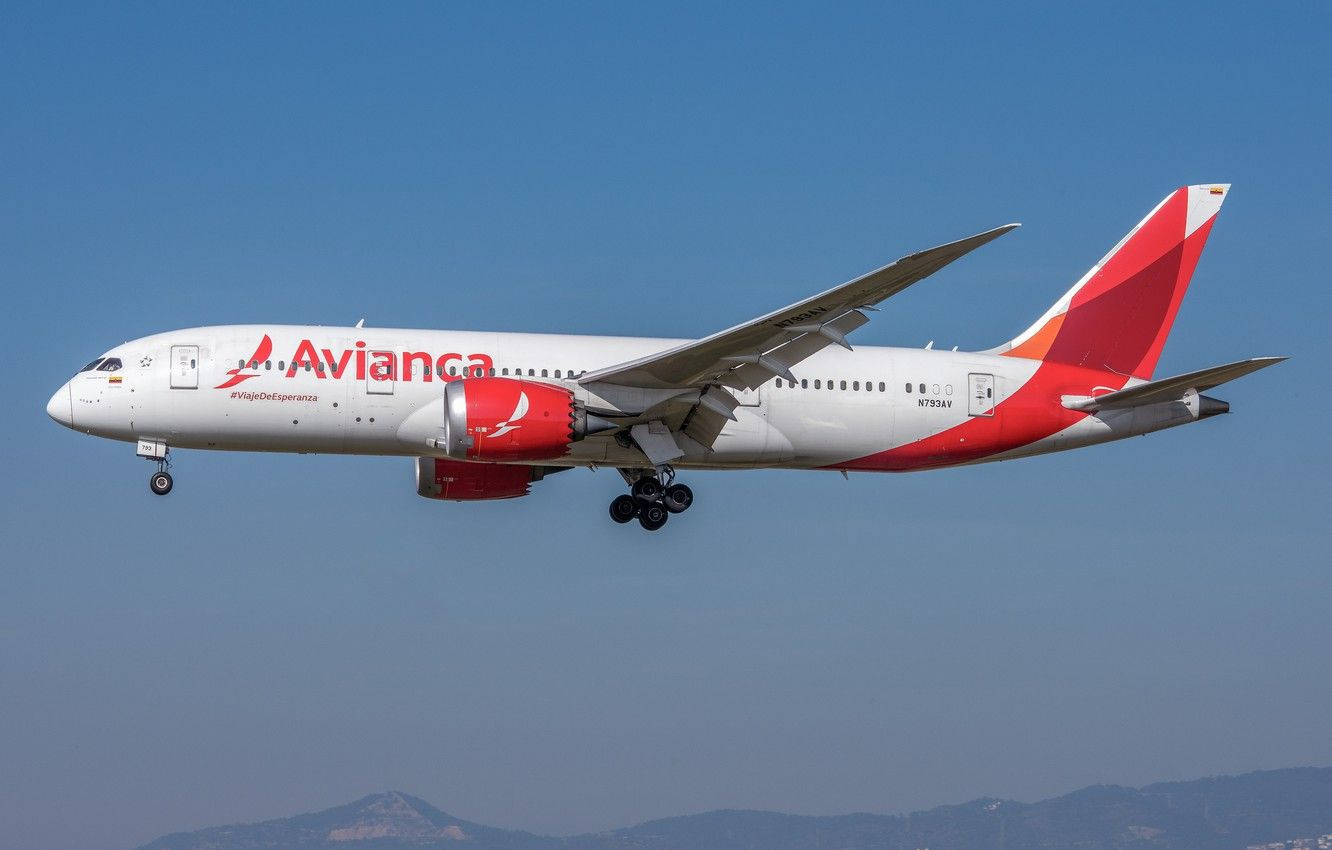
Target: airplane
486, 415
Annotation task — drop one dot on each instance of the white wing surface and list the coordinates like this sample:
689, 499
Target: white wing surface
750, 354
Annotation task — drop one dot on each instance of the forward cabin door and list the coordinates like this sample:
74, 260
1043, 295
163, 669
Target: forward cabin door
184, 367
380, 369
980, 394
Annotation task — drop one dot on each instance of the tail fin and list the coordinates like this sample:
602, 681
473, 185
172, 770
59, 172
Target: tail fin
1118, 315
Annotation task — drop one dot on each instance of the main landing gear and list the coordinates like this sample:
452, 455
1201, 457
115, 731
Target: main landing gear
650, 500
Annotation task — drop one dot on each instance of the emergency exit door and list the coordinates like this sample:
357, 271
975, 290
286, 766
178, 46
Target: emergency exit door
184, 367
980, 395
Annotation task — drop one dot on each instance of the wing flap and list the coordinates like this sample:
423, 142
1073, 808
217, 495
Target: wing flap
792, 352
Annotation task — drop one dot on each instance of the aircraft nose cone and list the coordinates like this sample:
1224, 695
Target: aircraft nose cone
60, 407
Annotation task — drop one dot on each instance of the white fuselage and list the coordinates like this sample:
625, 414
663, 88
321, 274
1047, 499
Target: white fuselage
373, 391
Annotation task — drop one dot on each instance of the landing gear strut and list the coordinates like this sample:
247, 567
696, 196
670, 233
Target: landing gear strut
649, 499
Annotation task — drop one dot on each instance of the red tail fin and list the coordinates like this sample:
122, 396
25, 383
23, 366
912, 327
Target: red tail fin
1118, 315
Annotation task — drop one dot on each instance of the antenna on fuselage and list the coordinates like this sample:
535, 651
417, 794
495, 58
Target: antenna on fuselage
929, 346
360, 323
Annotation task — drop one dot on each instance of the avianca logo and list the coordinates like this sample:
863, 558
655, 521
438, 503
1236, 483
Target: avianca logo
365, 363
519, 411
238, 375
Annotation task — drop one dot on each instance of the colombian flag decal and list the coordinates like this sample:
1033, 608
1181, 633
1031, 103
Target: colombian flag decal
1217, 190
115, 379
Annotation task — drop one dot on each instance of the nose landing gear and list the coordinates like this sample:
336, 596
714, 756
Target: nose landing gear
160, 481
651, 501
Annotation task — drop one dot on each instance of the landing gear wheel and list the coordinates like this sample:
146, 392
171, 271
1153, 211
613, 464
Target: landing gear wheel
160, 483
647, 489
678, 498
623, 508
652, 516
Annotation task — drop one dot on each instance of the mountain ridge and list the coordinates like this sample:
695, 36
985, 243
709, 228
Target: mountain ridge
1212, 813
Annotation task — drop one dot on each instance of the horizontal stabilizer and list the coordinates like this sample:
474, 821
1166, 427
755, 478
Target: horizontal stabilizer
1172, 389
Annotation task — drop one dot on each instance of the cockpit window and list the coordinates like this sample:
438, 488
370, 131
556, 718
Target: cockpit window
110, 364
91, 366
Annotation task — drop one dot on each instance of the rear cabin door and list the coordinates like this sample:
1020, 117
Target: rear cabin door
184, 367
380, 370
980, 395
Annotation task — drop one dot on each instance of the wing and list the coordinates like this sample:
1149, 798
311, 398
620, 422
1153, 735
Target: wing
750, 354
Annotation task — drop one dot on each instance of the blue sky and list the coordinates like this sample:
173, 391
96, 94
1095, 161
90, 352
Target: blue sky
286, 633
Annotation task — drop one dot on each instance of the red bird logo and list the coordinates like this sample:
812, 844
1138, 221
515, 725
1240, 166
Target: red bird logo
241, 374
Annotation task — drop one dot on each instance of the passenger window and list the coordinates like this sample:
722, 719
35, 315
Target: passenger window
268, 365
110, 364
922, 389
881, 386
804, 383
451, 368
240, 364
91, 366
504, 371
989, 392
908, 388
492, 371
280, 362
192, 363
778, 382
545, 373
557, 373
855, 385
843, 384
818, 385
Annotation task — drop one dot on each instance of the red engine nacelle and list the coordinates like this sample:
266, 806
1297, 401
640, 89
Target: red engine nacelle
503, 419
460, 481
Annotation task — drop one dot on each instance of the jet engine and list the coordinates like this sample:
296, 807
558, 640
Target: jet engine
460, 481
503, 419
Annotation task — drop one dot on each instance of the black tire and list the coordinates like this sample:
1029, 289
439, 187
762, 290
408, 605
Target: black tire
653, 516
160, 483
678, 498
623, 508
647, 489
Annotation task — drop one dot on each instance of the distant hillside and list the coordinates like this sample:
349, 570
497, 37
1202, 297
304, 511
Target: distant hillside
1290, 808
